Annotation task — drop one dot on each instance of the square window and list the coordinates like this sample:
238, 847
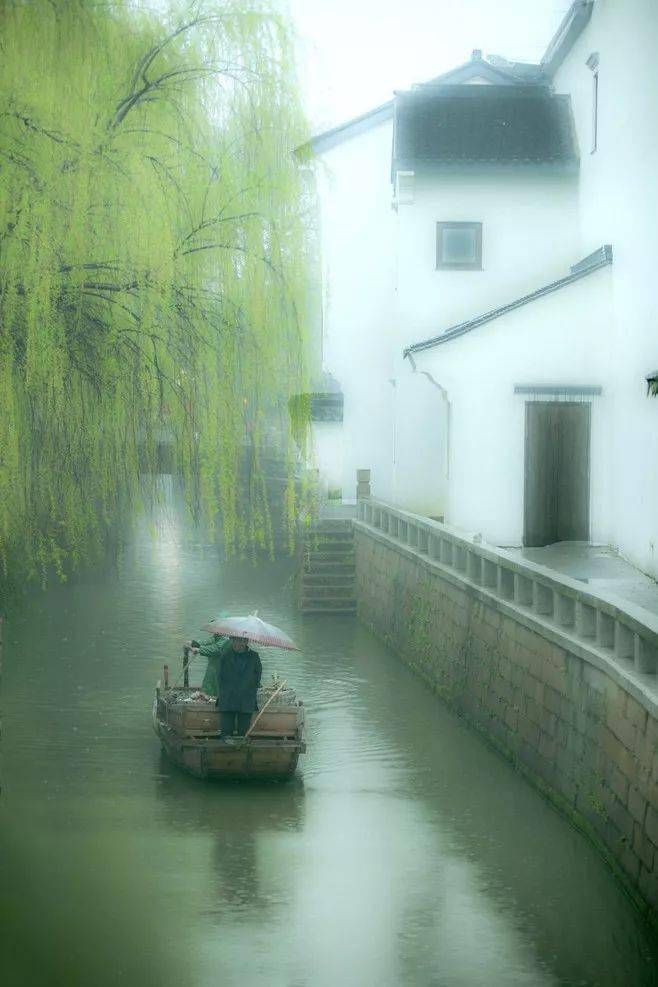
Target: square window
459, 246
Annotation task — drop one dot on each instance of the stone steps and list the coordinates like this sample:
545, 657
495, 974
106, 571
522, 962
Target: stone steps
328, 574
328, 605
310, 564
328, 578
329, 568
334, 546
317, 591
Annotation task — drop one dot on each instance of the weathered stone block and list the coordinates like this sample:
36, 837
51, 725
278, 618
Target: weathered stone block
556, 677
618, 754
533, 710
580, 719
637, 805
643, 847
502, 688
552, 700
538, 693
562, 732
508, 627
621, 818
575, 744
518, 677
499, 732
652, 732
567, 785
648, 883
492, 617
534, 762
528, 731
594, 678
547, 746
619, 784
593, 757
487, 633
512, 718
622, 728
504, 667
629, 863
548, 722
636, 713
651, 824
591, 808
526, 638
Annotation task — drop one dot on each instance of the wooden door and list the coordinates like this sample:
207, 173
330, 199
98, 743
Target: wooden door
557, 472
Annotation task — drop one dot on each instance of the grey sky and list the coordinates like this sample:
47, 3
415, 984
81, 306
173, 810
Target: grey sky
354, 53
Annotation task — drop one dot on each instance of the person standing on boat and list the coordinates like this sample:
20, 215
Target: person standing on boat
212, 649
239, 675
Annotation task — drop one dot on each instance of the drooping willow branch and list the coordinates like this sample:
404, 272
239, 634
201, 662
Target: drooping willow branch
153, 270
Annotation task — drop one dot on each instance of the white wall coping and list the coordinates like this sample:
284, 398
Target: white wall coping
603, 629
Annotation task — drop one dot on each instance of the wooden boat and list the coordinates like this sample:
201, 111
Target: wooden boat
189, 735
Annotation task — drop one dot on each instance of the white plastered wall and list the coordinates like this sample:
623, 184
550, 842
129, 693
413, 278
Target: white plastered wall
358, 258
329, 451
619, 205
529, 237
555, 340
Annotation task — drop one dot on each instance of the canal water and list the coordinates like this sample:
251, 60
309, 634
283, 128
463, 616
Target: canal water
405, 852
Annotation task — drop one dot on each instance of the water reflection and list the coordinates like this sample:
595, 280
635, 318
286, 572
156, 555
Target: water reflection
405, 852
242, 821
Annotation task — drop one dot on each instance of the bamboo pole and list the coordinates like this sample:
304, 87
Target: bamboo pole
273, 696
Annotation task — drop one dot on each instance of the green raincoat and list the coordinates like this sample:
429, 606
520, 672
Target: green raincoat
213, 650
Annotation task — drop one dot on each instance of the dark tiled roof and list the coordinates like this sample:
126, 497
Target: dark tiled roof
496, 69
521, 71
444, 125
593, 262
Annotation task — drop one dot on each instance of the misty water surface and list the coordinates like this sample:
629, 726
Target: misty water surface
405, 852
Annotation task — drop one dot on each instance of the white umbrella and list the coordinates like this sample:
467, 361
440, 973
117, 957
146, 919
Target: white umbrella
253, 629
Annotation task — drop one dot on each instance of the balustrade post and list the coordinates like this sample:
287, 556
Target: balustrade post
645, 656
362, 484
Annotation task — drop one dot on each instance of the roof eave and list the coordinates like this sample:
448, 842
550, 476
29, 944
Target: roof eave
575, 21
352, 128
593, 262
566, 164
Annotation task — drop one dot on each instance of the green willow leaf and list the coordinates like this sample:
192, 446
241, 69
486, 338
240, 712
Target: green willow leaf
154, 258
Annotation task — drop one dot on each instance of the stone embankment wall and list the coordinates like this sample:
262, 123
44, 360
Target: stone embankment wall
563, 684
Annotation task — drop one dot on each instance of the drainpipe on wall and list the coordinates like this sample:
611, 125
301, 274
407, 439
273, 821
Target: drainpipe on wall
446, 398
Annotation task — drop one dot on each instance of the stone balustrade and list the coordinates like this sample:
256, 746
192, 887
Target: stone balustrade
561, 680
610, 626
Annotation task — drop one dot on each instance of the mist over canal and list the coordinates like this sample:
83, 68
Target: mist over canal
404, 852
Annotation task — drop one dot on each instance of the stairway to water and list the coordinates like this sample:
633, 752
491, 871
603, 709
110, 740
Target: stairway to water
327, 578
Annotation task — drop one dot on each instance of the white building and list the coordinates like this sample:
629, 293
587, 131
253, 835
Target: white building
493, 331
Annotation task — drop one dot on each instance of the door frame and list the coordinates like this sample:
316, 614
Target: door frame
546, 399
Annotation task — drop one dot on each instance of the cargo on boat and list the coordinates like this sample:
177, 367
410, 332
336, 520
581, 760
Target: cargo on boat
187, 723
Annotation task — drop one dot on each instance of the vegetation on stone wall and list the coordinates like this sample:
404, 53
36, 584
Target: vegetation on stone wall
152, 268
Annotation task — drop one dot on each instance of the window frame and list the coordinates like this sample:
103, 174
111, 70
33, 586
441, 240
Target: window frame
442, 265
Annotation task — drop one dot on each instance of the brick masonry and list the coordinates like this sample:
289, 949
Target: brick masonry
581, 737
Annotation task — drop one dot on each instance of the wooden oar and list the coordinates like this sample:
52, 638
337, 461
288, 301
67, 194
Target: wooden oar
273, 696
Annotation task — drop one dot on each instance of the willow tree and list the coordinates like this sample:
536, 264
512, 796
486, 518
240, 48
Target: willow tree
152, 268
